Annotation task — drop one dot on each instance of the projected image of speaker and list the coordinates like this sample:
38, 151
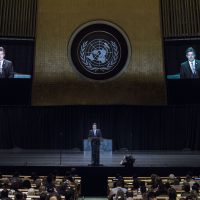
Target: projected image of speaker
16, 69
182, 59
16, 58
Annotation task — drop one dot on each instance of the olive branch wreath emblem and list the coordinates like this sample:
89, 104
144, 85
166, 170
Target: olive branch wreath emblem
88, 64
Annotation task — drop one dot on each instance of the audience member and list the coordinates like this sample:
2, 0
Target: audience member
129, 196
186, 189
19, 196
69, 194
26, 184
143, 190
43, 196
172, 194
120, 195
151, 196
189, 180
195, 191
16, 181
31, 192
114, 191
153, 179
161, 190
4, 195
176, 184
171, 178
53, 196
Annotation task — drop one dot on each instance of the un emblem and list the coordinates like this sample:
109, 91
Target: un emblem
99, 51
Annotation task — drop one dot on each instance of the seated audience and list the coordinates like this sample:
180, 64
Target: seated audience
153, 179
171, 179
31, 192
129, 196
26, 184
51, 190
50, 184
161, 190
143, 190
36, 180
186, 189
50, 181
118, 178
43, 196
114, 191
167, 185
189, 198
120, 195
69, 194
4, 195
42, 189
176, 184
16, 181
16, 177
172, 194
53, 196
136, 183
19, 196
151, 196
189, 180
195, 191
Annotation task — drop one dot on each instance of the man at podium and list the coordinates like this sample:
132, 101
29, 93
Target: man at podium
95, 138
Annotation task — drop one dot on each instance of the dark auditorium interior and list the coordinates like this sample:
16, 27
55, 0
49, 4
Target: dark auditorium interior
100, 100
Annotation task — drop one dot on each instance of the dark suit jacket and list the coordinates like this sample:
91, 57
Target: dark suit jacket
98, 133
7, 70
186, 72
95, 140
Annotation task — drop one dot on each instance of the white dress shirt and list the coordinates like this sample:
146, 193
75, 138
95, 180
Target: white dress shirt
192, 66
1, 66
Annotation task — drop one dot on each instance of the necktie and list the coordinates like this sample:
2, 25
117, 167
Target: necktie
1, 66
193, 68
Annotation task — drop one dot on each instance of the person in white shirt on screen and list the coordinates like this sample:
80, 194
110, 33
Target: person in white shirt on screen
6, 66
191, 68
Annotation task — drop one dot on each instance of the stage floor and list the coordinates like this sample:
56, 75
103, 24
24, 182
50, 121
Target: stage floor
73, 158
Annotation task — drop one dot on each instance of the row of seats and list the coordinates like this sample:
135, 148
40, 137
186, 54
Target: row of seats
137, 187
33, 186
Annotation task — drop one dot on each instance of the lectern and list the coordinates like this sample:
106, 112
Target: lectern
105, 150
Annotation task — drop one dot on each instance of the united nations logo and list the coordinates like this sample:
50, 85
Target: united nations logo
99, 55
99, 51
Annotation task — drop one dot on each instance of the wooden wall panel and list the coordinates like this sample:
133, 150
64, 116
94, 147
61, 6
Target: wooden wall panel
17, 18
180, 18
57, 83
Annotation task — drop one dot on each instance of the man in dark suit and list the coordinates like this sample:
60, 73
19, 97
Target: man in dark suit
95, 137
191, 68
6, 66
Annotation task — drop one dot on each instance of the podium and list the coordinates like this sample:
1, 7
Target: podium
105, 146
105, 150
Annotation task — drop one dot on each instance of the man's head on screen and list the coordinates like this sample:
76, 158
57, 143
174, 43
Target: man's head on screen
2, 53
94, 126
190, 54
